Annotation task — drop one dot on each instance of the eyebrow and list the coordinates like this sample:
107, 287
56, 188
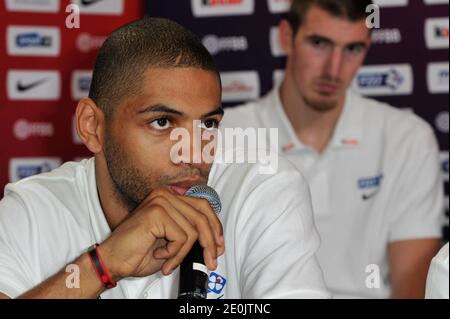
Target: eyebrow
160, 108
218, 111
325, 39
319, 37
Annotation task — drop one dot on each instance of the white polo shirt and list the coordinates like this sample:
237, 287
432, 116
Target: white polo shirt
48, 220
438, 276
377, 182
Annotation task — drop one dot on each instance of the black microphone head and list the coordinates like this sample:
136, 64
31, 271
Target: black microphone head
208, 193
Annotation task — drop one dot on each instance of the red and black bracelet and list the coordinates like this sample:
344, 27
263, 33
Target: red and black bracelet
100, 268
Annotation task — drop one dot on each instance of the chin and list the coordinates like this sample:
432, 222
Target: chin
324, 108
323, 104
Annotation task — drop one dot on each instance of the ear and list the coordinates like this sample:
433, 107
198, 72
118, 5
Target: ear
90, 124
286, 36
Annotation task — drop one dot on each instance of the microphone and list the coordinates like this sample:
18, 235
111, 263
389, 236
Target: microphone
193, 271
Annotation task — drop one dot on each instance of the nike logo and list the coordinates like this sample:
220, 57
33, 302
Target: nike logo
89, 2
26, 87
366, 197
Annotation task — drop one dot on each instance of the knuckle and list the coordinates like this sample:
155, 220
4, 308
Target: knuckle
156, 210
192, 236
152, 217
202, 220
183, 237
159, 200
158, 192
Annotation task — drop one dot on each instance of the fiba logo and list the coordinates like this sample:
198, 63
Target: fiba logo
87, 42
23, 129
216, 44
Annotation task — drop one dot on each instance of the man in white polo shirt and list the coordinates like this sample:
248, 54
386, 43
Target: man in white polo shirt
373, 170
118, 225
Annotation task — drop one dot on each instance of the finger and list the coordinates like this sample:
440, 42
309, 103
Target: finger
203, 206
160, 243
206, 238
181, 221
166, 227
190, 211
199, 204
187, 217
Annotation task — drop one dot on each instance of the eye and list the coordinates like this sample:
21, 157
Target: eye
355, 49
319, 43
161, 124
210, 124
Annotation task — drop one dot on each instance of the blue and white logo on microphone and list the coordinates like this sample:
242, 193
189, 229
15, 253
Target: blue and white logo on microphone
216, 283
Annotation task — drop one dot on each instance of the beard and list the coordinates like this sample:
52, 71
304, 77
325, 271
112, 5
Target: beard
133, 185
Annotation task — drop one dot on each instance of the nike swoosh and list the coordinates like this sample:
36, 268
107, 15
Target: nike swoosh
26, 87
369, 196
89, 2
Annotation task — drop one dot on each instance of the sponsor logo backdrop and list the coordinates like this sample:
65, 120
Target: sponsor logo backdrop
406, 67
45, 68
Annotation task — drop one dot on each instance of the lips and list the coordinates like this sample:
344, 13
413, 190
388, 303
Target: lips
182, 187
327, 88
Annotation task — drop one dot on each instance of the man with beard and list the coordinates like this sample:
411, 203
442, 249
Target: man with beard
373, 170
118, 225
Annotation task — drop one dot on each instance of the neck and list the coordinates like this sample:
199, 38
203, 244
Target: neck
113, 206
312, 127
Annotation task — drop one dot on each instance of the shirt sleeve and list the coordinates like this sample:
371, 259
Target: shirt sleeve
16, 276
418, 194
279, 241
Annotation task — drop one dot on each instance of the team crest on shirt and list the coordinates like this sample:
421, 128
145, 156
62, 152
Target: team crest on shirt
216, 284
370, 186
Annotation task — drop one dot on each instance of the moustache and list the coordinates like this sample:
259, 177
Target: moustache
191, 173
329, 80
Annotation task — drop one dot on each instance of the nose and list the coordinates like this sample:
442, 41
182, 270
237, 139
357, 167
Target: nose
334, 63
188, 151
